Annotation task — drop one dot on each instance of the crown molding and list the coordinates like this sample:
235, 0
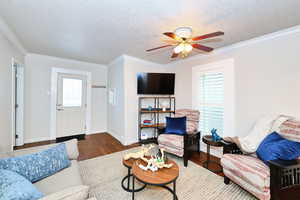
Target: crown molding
67, 60
11, 36
146, 62
266, 37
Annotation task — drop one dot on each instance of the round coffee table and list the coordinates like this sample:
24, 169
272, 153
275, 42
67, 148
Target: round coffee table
207, 139
128, 164
160, 178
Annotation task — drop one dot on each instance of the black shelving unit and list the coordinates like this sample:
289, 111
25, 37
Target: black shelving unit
156, 111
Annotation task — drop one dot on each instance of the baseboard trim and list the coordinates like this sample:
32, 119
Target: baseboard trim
119, 138
95, 132
63, 139
33, 140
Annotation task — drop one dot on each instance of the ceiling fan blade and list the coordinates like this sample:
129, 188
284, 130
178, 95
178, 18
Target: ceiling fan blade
168, 45
173, 36
174, 55
202, 47
210, 35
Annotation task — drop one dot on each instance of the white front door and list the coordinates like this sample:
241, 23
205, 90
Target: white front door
71, 104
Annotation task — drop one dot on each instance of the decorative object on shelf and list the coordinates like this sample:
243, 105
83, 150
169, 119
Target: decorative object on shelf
155, 162
150, 108
140, 154
164, 105
215, 136
147, 122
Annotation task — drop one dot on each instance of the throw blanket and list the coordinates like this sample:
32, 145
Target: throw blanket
261, 129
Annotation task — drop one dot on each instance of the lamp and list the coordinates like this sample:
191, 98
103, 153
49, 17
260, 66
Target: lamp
183, 47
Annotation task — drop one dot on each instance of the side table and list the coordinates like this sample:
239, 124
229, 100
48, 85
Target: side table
128, 164
207, 139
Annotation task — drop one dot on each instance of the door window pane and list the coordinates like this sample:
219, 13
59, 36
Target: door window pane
72, 92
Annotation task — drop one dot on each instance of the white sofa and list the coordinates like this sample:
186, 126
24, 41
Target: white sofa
65, 184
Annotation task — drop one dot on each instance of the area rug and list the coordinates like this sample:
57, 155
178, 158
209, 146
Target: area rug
104, 175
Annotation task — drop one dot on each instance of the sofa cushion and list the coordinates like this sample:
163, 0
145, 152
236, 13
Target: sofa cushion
290, 130
39, 165
71, 146
15, 186
64, 179
171, 140
261, 195
172, 150
79, 192
250, 169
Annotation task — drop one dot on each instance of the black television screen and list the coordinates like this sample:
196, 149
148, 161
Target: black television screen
155, 83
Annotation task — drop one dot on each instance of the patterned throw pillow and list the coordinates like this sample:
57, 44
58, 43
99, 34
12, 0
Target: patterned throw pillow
39, 165
15, 186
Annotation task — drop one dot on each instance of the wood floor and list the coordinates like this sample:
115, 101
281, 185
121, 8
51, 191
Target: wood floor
103, 143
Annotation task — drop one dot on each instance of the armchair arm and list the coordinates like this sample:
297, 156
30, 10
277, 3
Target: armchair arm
231, 148
284, 178
161, 130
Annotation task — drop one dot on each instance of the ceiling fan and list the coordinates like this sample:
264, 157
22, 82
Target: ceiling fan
185, 42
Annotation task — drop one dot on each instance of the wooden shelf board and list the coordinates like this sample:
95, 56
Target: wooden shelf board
157, 111
161, 125
148, 140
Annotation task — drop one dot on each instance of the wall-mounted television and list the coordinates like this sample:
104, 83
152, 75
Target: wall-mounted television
156, 83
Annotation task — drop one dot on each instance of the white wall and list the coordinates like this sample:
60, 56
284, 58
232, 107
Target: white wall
8, 51
267, 71
116, 112
123, 117
37, 94
132, 66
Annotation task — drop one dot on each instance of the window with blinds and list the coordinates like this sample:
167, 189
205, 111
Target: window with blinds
211, 102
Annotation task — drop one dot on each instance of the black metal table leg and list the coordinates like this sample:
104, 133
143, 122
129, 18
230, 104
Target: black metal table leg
133, 187
174, 190
128, 179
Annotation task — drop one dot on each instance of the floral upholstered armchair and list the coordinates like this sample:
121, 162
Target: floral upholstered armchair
182, 145
280, 180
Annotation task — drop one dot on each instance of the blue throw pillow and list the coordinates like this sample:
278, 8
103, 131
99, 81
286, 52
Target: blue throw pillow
15, 186
275, 147
39, 165
176, 125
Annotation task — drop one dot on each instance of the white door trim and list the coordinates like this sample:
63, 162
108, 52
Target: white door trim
54, 76
20, 91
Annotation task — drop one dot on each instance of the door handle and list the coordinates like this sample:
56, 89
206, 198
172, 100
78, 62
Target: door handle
59, 109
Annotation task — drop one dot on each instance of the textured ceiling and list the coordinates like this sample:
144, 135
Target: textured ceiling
100, 30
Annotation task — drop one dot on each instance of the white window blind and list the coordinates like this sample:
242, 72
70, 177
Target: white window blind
211, 102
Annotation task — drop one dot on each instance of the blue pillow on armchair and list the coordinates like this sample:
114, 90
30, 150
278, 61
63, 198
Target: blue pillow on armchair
275, 147
176, 125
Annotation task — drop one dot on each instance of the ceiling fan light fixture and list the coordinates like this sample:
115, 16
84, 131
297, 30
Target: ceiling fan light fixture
184, 32
179, 48
188, 47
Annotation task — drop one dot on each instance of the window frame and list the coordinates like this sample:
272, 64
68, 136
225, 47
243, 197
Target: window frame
220, 105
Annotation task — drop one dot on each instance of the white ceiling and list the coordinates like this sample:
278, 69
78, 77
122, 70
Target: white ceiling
101, 30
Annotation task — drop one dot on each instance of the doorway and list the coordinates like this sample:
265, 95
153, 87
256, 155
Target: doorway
17, 103
70, 103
